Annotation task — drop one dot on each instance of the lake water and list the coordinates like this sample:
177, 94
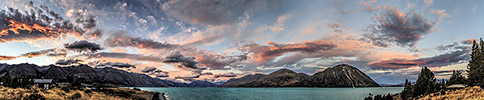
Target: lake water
212, 93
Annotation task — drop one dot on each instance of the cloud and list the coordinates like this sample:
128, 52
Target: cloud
119, 39
148, 69
39, 23
176, 57
115, 64
7, 57
264, 53
468, 41
439, 60
214, 12
428, 2
83, 46
125, 55
403, 29
225, 75
188, 78
68, 61
207, 73
48, 52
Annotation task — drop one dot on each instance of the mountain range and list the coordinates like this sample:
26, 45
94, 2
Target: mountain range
342, 75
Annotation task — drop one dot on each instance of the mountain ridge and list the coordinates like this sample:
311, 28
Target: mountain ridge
86, 74
342, 75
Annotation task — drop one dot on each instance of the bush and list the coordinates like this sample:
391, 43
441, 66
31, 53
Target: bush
34, 96
87, 91
65, 89
76, 96
380, 97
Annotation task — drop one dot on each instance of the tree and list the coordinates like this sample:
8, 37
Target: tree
475, 68
425, 83
408, 90
456, 78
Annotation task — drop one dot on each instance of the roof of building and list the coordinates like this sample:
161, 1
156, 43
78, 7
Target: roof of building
456, 86
42, 80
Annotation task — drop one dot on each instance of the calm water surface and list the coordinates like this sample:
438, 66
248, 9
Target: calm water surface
211, 93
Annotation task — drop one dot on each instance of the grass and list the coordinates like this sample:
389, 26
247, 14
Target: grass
35, 93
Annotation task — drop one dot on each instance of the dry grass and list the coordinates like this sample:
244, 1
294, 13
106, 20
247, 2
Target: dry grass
469, 93
58, 94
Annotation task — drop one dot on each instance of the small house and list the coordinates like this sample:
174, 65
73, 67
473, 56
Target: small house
44, 83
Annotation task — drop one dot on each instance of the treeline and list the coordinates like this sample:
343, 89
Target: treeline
427, 84
16, 82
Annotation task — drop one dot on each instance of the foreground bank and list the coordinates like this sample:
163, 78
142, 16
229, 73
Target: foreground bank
34, 93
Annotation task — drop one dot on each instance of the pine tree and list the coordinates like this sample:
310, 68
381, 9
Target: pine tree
425, 83
456, 78
407, 91
475, 68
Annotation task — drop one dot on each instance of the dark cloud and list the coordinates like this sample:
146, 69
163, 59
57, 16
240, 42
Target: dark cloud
115, 64
447, 47
188, 78
48, 52
148, 69
403, 29
265, 53
205, 58
68, 61
207, 73
176, 57
121, 40
439, 60
7, 57
225, 75
161, 75
125, 55
83, 46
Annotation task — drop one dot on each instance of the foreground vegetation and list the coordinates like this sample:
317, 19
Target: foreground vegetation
34, 93
428, 88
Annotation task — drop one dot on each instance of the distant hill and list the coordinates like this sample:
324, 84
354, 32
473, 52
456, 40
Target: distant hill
86, 74
342, 75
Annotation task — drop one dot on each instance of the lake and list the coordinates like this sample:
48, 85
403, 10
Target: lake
212, 93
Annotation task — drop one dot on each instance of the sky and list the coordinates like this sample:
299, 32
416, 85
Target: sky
215, 40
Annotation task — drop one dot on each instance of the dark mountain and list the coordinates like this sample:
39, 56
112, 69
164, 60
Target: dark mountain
280, 78
199, 83
342, 75
86, 74
339, 76
234, 82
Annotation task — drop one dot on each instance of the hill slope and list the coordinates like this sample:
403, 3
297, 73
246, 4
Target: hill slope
339, 76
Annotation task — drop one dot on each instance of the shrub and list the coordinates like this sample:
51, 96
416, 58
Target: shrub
65, 89
87, 91
76, 96
34, 96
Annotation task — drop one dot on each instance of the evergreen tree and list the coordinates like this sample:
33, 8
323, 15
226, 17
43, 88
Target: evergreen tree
475, 68
407, 91
425, 83
456, 78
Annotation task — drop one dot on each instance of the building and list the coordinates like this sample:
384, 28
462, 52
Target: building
44, 83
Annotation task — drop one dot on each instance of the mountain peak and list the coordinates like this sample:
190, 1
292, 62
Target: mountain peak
284, 70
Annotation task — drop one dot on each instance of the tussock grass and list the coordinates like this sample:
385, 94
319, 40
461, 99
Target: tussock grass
7, 93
